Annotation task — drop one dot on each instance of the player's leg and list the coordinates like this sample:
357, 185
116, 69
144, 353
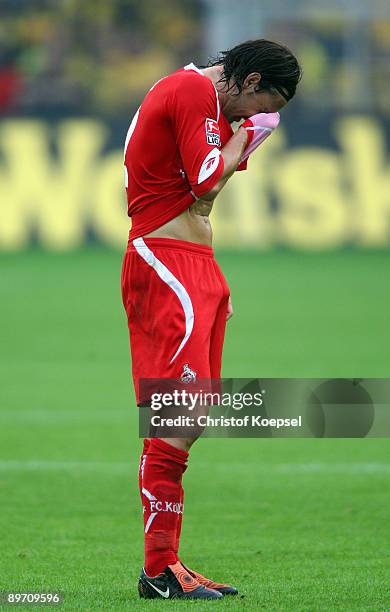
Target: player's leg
161, 490
168, 577
163, 495
156, 325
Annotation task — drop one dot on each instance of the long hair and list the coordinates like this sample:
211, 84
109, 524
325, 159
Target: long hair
278, 67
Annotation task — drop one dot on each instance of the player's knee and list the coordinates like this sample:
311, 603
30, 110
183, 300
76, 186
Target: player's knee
182, 443
188, 442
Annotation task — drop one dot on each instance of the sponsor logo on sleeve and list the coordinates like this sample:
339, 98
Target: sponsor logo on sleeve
212, 132
209, 165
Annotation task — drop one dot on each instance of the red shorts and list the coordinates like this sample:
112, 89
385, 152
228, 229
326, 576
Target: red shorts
176, 300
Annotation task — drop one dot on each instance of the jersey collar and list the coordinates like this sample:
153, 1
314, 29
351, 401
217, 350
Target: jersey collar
192, 66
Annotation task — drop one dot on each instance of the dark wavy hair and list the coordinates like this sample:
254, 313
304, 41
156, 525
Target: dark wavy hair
278, 67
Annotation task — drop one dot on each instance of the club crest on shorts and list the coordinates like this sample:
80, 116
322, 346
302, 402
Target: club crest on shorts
188, 375
212, 132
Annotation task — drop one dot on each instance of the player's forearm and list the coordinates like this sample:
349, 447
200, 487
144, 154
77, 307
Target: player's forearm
231, 154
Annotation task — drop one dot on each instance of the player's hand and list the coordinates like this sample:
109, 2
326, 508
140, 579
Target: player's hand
229, 312
259, 127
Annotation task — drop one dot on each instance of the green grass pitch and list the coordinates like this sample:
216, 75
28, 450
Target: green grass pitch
297, 525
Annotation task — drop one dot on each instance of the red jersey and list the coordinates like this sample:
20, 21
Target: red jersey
173, 149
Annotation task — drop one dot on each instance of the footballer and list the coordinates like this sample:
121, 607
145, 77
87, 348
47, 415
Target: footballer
180, 151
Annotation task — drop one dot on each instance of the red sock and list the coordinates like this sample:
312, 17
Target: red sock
140, 478
161, 492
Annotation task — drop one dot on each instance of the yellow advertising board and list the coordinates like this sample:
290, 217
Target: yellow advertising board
58, 185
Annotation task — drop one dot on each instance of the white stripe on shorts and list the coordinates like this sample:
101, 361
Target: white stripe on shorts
172, 282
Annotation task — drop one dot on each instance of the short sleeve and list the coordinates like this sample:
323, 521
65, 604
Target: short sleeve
194, 113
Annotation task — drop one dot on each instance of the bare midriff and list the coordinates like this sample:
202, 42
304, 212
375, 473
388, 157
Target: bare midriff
193, 225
